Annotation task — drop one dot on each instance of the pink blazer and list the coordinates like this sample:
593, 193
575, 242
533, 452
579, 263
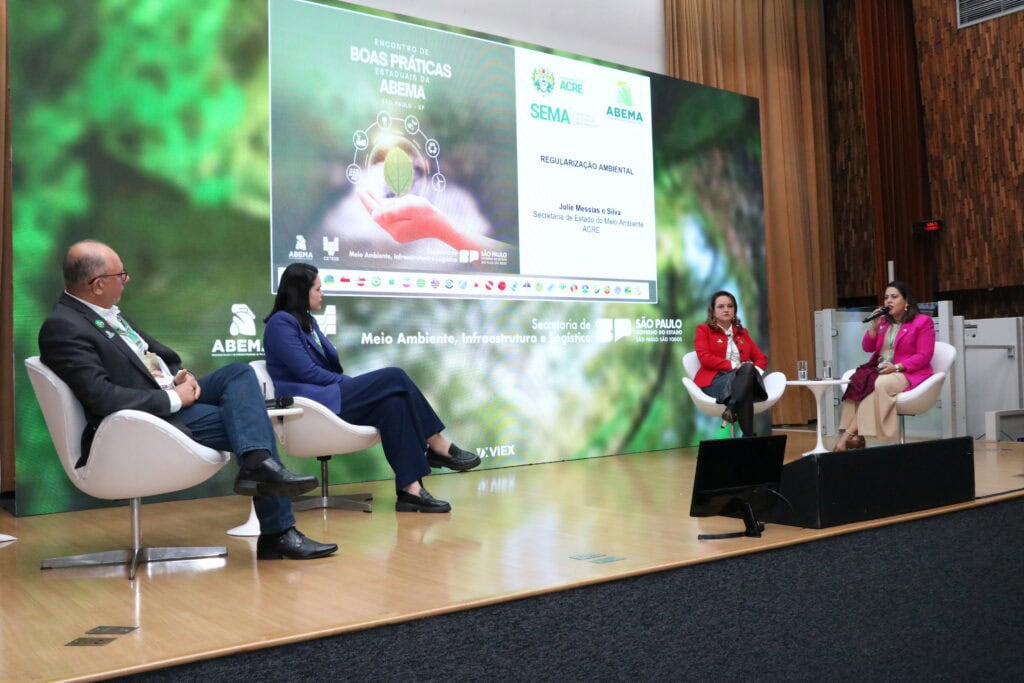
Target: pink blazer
914, 345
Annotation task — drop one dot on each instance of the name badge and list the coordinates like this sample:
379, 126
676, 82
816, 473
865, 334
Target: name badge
152, 363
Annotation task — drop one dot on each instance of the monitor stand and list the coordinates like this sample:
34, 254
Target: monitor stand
753, 527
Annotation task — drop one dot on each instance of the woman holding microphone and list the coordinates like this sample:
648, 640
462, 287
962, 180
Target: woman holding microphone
901, 341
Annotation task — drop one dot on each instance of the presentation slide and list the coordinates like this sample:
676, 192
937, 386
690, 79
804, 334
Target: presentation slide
586, 177
459, 166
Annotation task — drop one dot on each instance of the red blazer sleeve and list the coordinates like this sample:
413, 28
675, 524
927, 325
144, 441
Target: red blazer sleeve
710, 347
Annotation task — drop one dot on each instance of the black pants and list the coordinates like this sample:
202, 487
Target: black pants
738, 389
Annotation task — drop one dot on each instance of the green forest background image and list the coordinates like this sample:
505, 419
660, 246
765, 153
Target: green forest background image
144, 124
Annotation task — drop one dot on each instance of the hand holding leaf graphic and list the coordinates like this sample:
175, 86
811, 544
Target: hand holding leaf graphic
410, 217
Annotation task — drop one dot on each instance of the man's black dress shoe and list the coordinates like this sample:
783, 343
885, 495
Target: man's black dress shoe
291, 545
270, 478
458, 459
408, 502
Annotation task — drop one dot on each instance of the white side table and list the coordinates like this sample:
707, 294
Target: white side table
817, 387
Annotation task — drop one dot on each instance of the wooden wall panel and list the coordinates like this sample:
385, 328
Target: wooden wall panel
851, 206
999, 302
971, 115
879, 179
972, 92
895, 142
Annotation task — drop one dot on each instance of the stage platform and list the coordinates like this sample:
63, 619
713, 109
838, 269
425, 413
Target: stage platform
513, 533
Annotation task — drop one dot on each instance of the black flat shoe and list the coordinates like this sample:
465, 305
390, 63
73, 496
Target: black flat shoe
270, 478
408, 502
292, 545
457, 459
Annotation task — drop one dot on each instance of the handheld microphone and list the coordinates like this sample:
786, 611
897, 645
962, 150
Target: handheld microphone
877, 314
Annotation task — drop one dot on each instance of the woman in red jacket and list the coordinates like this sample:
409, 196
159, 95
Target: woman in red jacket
731, 365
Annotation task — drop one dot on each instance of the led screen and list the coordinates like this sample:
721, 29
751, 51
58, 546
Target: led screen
570, 217
413, 161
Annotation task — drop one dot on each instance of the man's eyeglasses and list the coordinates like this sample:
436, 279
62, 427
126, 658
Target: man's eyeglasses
123, 275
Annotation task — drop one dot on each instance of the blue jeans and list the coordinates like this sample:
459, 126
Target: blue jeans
231, 415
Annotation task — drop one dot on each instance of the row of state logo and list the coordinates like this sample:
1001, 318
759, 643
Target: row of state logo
490, 285
546, 82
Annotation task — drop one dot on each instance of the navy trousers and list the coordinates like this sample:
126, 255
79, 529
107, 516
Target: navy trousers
231, 415
390, 401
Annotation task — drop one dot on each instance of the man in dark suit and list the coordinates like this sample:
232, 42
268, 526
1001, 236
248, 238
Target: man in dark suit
110, 365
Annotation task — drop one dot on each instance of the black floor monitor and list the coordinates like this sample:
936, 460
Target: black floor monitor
735, 478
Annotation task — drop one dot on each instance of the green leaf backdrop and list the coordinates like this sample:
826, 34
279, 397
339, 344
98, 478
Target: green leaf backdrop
144, 123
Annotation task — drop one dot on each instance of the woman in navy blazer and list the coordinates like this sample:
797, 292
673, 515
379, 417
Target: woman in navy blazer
901, 343
303, 362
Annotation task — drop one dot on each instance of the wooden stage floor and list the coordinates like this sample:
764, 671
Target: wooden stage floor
513, 533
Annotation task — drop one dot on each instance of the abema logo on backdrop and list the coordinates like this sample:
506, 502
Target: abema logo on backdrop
243, 321
244, 339
300, 252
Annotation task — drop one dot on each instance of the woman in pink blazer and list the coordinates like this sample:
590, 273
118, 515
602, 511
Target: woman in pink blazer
901, 343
